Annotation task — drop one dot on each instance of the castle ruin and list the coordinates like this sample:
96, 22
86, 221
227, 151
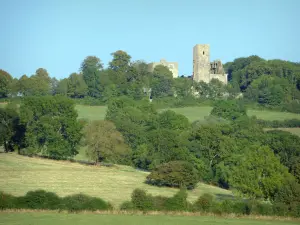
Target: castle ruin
203, 69
173, 66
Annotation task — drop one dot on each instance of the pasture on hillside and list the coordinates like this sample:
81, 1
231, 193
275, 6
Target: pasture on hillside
192, 113
293, 130
20, 174
49, 218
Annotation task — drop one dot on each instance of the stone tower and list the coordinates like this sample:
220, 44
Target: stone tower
201, 63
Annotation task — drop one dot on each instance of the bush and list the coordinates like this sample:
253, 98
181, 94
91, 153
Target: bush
204, 203
7, 201
174, 174
293, 106
79, 202
230, 110
259, 208
40, 199
128, 205
241, 208
141, 200
178, 202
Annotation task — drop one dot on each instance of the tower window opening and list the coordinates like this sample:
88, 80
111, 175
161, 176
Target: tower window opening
203, 52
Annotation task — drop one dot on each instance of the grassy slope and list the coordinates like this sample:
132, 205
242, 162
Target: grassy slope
20, 174
93, 219
192, 113
295, 131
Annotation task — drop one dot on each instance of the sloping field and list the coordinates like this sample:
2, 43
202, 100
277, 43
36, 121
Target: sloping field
20, 174
295, 130
96, 219
192, 113
91, 112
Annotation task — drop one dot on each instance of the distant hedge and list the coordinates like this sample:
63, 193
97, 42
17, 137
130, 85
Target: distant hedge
140, 200
41, 199
279, 124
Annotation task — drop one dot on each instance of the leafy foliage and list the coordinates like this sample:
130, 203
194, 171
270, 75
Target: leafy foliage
259, 173
174, 174
230, 110
105, 143
52, 128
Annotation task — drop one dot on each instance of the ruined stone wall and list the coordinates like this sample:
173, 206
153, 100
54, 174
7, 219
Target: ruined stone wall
173, 66
221, 77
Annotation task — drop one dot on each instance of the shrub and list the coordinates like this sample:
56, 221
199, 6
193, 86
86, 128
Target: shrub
174, 174
79, 202
230, 110
159, 202
178, 202
40, 199
7, 201
204, 203
259, 208
127, 205
141, 200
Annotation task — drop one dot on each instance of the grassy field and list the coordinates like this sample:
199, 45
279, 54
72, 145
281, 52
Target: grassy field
20, 174
192, 113
91, 112
93, 219
295, 131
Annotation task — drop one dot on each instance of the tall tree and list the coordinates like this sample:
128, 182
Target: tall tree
91, 67
105, 142
5, 82
77, 88
52, 128
259, 173
9, 120
120, 61
162, 82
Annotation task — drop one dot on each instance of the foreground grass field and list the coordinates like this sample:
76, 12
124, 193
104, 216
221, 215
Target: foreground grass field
95, 219
192, 113
20, 174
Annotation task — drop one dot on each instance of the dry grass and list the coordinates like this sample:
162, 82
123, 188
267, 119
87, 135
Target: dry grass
21, 174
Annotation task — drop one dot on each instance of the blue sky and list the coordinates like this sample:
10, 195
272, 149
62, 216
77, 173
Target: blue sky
58, 34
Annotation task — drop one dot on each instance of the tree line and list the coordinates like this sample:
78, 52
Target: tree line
268, 83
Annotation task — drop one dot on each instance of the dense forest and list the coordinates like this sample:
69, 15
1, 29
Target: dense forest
230, 149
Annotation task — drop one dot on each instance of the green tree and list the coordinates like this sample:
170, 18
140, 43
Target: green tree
287, 146
5, 82
9, 121
120, 61
259, 173
230, 110
90, 68
162, 82
52, 128
105, 142
62, 87
76, 86
171, 120
174, 174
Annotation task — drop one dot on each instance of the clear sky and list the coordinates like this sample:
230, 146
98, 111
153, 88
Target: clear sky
58, 34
